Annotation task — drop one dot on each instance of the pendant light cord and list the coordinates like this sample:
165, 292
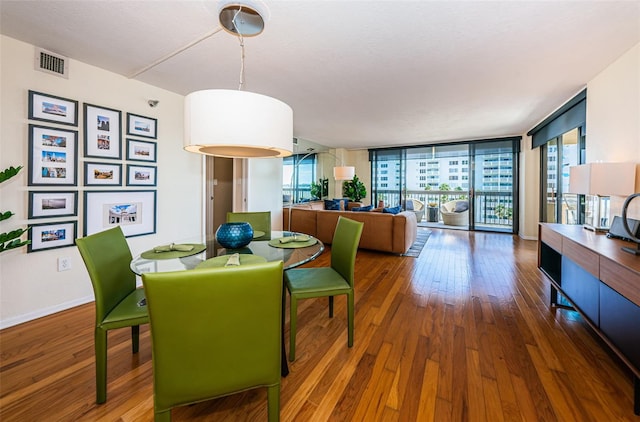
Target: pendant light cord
241, 40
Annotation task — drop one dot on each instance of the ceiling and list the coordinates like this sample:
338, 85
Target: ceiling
357, 74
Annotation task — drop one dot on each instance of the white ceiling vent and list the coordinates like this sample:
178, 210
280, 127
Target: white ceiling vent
49, 62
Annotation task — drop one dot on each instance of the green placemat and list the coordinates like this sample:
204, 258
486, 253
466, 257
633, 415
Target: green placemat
292, 245
151, 254
220, 261
257, 234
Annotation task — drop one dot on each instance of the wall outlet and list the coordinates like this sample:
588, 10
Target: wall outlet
64, 264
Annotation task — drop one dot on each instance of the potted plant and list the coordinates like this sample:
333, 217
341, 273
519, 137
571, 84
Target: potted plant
319, 190
354, 189
11, 240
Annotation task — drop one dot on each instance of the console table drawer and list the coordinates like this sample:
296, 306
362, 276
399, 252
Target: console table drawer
585, 258
621, 279
552, 238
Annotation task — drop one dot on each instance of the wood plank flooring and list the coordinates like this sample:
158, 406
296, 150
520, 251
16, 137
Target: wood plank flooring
462, 333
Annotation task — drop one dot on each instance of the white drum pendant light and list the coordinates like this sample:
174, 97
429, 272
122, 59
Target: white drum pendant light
238, 124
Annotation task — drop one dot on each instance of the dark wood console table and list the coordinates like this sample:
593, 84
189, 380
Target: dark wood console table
601, 282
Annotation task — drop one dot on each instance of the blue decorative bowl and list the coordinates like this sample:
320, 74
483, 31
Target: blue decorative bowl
234, 235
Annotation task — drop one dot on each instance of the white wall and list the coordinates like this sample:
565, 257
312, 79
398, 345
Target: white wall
613, 135
613, 111
30, 285
613, 118
264, 188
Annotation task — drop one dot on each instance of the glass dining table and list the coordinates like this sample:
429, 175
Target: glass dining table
293, 254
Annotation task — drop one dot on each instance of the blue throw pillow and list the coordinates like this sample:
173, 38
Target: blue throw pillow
392, 210
461, 206
408, 205
332, 205
344, 201
362, 209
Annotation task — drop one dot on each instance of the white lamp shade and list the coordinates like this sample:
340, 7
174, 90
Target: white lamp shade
237, 124
579, 179
604, 179
344, 172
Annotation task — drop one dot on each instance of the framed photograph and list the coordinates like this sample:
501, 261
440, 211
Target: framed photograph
50, 108
134, 211
142, 126
141, 150
102, 174
102, 132
52, 235
53, 204
141, 175
53, 156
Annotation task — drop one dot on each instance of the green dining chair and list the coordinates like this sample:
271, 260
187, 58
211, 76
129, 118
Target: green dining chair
215, 332
338, 279
107, 257
259, 221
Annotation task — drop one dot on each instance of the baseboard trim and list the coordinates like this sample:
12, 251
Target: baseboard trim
10, 322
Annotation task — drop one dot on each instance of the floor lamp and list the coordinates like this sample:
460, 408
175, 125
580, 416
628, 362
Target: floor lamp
339, 173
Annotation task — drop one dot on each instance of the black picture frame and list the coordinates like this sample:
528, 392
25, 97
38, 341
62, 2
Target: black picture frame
104, 209
141, 175
53, 156
53, 109
51, 204
102, 132
138, 150
102, 174
53, 235
146, 127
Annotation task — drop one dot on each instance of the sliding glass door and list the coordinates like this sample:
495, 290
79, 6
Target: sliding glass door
483, 173
495, 176
558, 155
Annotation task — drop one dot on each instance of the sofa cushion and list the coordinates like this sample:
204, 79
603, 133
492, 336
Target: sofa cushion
461, 206
363, 209
332, 204
392, 210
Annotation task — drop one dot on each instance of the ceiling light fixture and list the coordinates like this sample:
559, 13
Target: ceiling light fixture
238, 124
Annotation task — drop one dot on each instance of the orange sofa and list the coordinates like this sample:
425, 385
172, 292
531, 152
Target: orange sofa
383, 232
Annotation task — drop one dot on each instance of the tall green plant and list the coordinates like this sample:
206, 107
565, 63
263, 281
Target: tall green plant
354, 189
11, 240
321, 189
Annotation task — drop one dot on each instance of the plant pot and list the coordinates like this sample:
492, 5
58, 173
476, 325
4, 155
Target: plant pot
432, 214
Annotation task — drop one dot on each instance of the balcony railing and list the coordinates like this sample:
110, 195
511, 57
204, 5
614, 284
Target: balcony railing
491, 209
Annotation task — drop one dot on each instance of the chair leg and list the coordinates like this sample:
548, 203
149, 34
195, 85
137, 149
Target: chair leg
350, 311
135, 336
330, 306
273, 403
293, 311
100, 345
164, 416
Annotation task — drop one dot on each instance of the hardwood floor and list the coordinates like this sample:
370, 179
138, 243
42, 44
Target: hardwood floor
462, 333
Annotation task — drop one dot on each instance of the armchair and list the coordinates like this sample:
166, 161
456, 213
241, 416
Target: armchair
455, 213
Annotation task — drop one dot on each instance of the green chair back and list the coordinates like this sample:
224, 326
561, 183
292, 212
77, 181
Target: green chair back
107, 257
344, 247
215, 332
259, 221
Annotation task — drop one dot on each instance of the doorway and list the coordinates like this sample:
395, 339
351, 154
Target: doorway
219, 192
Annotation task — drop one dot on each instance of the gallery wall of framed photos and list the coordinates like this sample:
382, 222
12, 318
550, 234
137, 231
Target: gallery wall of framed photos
114, 177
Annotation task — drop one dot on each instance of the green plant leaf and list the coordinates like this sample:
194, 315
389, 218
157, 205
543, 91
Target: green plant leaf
5, 215
13, 244
14, 234
9, 173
